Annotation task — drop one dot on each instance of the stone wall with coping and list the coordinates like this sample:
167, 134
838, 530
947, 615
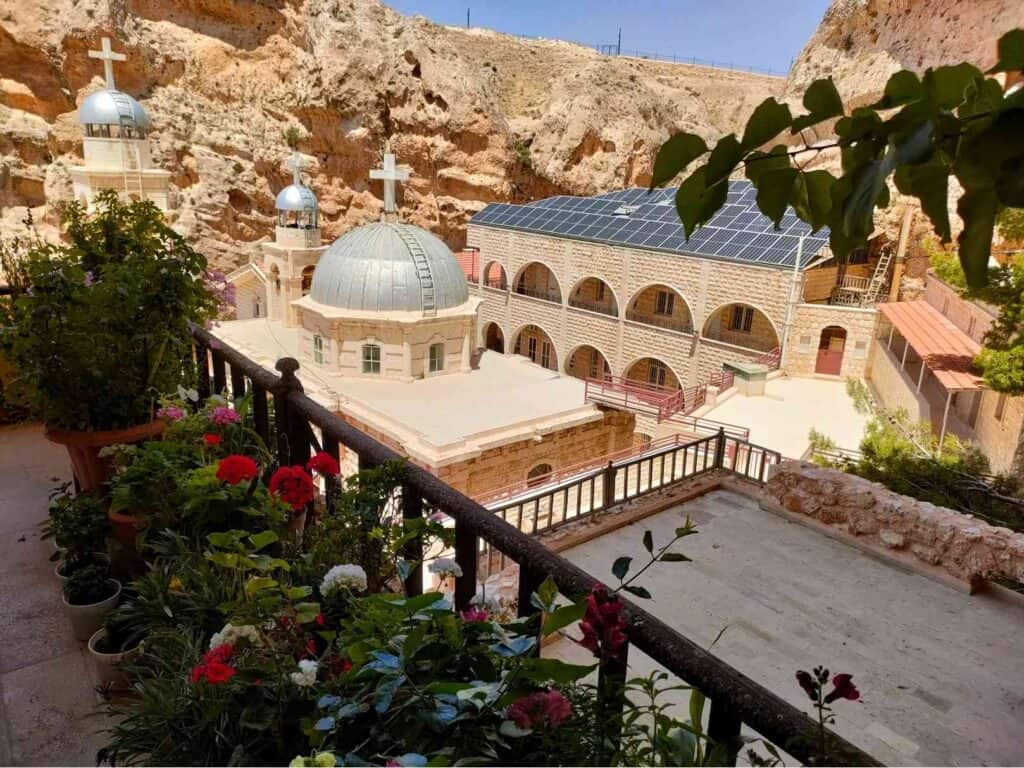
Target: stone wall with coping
934, 540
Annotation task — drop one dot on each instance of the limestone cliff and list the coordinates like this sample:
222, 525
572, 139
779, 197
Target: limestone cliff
477, 115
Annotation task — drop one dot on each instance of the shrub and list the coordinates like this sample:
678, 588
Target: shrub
89, 584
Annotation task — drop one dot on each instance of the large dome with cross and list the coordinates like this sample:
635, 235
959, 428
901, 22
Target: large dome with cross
387, 267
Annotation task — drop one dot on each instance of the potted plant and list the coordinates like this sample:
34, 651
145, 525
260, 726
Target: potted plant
149, 487
77, 524
103, 328
89, 594
117, 640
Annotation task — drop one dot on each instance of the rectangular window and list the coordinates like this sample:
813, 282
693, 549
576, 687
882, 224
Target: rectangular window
600, 291
665, 303
805, 343
318, 349
531, 348
656, 374
371, 358
1000, 406
545, 355
436, 357
741, 319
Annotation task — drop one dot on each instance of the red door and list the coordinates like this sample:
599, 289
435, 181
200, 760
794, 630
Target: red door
830, 351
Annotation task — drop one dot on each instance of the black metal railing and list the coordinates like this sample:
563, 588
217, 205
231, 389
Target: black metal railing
297, 425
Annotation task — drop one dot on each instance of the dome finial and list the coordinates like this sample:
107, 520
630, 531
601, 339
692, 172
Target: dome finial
390, 174
107, 55
295, 164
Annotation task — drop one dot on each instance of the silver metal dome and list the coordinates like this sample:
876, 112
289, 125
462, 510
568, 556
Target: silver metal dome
296, 197
110, 107
387, 266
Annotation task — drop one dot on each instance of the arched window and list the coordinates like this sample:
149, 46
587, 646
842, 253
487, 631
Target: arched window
371, 358
436, 362
307, 278
539, 475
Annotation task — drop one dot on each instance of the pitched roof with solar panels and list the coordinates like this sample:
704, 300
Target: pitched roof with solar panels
636, 218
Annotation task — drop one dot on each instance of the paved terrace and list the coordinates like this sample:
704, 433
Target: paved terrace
48, 708
939, 671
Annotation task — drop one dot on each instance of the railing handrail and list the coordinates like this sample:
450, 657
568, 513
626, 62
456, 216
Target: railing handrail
735, 698
699, 424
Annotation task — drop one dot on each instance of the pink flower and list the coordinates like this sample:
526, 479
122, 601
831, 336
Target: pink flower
844, 689
543, 709
170, 413
222, 416
437, 517
473, 613
603, 625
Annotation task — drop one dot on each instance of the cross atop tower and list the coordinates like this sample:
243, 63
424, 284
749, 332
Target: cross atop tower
389, 174
108, 57
295, 164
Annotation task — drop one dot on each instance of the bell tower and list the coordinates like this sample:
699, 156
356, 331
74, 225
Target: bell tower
115, 145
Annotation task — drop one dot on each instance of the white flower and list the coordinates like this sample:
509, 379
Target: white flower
306, 676
445, 566
346, 575
232, 634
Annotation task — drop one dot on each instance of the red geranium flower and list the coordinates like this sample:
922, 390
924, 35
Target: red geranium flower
843, 689
214, 668
293, 486
324, 463
218, 672
235, 468
603, 624
320, 620
211, 439
544, 709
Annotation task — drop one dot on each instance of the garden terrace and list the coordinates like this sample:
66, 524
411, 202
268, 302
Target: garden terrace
296, 426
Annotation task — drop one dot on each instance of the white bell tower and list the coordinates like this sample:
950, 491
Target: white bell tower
115, 145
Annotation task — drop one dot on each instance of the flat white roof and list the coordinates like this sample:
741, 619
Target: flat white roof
438, 419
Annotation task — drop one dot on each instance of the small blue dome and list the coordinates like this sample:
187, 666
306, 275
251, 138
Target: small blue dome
296, 197
389, 266
109, 107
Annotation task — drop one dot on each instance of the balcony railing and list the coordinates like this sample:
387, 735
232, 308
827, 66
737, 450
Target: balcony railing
661, 321
538, 293
291, 428
601, 307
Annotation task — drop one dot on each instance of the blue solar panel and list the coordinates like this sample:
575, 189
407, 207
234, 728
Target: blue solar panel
642, 219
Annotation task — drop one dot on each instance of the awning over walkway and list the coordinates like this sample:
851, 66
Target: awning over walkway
946, 351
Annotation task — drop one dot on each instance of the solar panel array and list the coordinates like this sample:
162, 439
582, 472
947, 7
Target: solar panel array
648, 220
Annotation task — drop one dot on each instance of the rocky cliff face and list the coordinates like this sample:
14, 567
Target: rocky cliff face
478, 116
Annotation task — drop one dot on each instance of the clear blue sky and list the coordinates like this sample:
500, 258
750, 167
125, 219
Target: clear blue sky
759, 33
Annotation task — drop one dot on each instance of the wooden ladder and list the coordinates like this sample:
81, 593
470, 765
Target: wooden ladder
879, 278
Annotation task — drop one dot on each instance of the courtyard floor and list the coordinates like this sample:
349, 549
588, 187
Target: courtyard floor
48, 706
939, 671
782, 418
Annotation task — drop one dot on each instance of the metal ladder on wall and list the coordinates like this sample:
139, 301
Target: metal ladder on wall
419, 258
130, 161
879, 278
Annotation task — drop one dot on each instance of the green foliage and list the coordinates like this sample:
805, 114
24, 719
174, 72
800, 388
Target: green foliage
103, 329
1010, 223
1002, 360
89, 584
952, 121
946, 265
521, 150
78, 525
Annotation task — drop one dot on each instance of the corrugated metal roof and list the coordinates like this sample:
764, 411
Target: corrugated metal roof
946, 351
637, 218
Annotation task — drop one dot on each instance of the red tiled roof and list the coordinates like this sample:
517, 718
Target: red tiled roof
946, 351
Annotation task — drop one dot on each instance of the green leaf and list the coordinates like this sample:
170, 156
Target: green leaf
812, 197
543, 671
674, 155
945, 86
774, 190
648, 541
978, 208
759, 163
822, 101
915, 148
638, 591
769, 120
929, 183
263, 539
674, 557
258, 584
621, 567
306, 612
697, 709
563, 617
689, 200
414, 639
723, 160
903, 87
546, 594
1011, 52
688, 528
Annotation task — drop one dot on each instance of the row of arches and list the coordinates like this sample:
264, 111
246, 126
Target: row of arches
584, 361
656, 304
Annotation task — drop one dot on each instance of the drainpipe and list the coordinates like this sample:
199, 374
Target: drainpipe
791, 305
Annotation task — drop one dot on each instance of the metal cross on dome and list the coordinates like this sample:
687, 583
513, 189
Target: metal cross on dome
108, 57
389, 174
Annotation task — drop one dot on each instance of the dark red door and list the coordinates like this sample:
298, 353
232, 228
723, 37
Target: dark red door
830, 351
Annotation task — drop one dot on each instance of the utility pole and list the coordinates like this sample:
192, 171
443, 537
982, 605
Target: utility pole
467, 18
618, 45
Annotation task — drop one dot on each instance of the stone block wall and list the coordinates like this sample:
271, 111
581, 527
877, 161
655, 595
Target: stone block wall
810, 320
928, 538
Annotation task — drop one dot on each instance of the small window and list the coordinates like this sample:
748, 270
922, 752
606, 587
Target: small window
656, 374
742, 318
600, 291
1000, 406
545, 354
318, 349
436, 357
539, 475
531, 348
665, 304
860, 349
805, 342
371, 358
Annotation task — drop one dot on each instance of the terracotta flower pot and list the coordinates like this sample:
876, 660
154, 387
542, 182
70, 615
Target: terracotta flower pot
124, 528
84, 449
108, 664
86, 619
